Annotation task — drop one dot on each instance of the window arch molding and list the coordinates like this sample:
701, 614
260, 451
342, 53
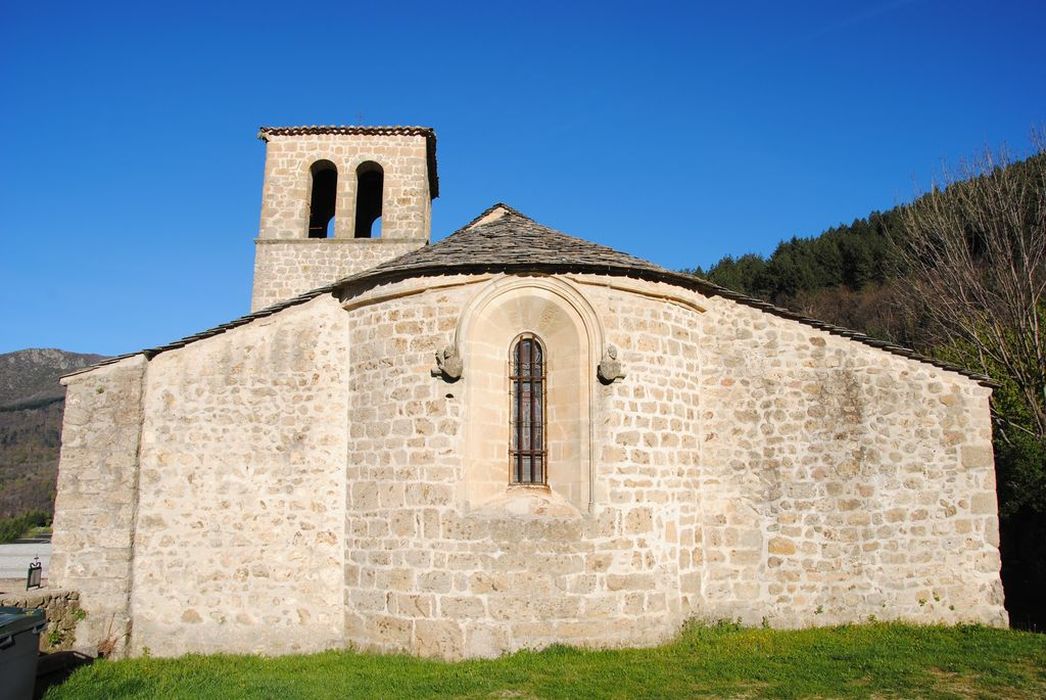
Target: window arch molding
571, 334
566, 293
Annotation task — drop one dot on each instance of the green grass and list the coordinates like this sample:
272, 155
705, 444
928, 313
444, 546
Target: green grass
860, 661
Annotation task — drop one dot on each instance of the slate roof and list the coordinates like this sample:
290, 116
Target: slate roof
503, 240
510, 241
430, 139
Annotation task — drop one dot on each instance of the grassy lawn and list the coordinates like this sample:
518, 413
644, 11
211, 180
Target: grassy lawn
862, 661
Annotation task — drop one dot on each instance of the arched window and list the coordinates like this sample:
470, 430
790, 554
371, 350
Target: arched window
370, 181
324, 193
529, 457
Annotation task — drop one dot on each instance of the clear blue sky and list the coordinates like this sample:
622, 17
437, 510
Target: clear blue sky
130, 176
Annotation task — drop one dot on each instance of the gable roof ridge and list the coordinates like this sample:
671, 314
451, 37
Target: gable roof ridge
490, 210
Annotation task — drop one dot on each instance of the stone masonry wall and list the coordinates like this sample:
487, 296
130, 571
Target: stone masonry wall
63, 613
96, 502
649, 453
303, 483
283, 269
840, 483
239, 544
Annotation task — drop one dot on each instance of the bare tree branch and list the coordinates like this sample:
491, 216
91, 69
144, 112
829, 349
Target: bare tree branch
975, 250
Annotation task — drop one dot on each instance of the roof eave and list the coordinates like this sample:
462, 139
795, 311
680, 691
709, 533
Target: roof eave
377, 276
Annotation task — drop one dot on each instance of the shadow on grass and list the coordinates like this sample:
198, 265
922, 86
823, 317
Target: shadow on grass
55, 668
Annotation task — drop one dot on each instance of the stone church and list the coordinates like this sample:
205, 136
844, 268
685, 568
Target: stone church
509, 438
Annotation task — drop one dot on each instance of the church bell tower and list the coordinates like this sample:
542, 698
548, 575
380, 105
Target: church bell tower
338, 200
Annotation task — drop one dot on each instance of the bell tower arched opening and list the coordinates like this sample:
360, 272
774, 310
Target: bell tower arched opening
370, 187
324, 176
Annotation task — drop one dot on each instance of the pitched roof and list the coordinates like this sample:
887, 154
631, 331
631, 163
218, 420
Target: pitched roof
427, 132
503, 240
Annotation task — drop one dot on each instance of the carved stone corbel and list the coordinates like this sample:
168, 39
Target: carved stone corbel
448, 364
609, 368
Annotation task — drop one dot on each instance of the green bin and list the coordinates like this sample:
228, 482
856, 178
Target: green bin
19, 647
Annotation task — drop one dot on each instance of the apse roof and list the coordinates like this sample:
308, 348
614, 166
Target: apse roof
502, 239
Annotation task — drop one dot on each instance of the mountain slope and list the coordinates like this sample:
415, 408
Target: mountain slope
31, 404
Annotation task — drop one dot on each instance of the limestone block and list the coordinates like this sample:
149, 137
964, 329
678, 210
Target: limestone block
439, 639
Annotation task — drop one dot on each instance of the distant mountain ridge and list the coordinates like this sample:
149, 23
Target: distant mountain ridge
31, 375
31, 406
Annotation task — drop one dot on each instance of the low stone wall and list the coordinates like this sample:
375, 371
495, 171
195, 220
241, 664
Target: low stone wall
63, 612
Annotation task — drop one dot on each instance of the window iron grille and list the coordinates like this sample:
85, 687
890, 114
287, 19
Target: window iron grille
528, 453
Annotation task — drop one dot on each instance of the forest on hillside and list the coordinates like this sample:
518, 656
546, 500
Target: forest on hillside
959, 274
31, 406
